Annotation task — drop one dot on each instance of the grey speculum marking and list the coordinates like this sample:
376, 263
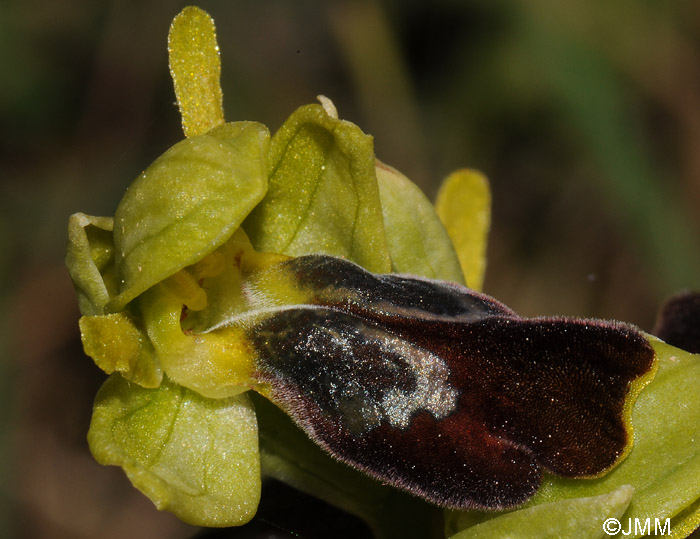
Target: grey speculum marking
357, 373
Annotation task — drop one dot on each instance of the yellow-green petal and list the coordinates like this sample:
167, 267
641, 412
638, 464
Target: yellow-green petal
196, 69
417, 240
464, 205
193, 456
116, 344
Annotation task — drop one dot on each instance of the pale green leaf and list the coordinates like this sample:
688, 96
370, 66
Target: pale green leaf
186, 204
464, 206
323, 195
418, 242
580, 518
193, 456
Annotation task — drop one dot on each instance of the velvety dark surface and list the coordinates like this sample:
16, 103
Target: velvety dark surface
511, 395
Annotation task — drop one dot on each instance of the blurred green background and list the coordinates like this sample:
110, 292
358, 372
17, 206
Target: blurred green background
585, 116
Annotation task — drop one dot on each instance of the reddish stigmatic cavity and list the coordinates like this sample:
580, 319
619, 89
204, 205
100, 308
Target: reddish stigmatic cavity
445, 392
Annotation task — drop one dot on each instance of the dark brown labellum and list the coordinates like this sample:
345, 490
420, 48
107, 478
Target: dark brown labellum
445, 392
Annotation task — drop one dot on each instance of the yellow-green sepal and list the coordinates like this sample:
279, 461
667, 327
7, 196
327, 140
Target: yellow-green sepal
417, 240
186, 204
195, 457
323, 195
90, 261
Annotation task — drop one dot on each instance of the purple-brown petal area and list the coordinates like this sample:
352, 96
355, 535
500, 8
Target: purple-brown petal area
558, 387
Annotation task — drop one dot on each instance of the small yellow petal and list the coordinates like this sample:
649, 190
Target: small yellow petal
464, 206
196, 68
116, 345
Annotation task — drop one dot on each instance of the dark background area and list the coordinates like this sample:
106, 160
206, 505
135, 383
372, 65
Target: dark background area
584, 115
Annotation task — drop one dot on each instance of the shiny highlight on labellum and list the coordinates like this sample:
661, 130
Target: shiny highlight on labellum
445, 392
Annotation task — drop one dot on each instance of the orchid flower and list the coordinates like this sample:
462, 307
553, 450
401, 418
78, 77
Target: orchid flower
288, 306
